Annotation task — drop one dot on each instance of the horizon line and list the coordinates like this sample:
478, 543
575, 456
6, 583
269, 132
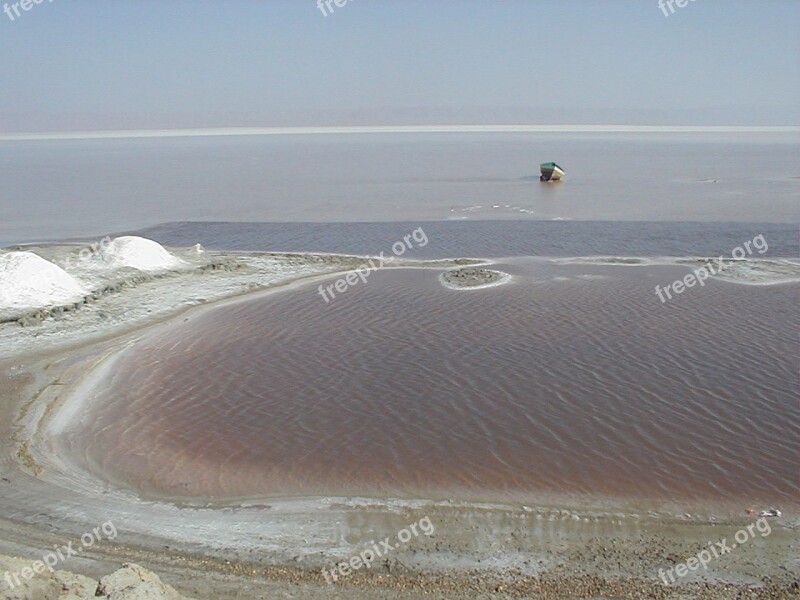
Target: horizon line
376, 129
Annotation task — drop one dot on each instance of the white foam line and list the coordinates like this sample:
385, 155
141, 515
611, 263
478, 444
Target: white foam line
251, 131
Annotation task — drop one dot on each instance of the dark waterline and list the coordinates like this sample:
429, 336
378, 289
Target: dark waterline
487, 238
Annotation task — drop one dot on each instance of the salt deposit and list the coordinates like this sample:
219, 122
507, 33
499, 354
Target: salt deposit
138, 253
29, 281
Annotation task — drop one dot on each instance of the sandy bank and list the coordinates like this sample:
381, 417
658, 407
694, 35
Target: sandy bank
745, 271
118, 300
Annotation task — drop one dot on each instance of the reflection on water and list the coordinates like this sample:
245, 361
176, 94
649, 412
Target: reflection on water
675, 177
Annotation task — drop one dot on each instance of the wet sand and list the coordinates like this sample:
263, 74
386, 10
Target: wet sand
255, 547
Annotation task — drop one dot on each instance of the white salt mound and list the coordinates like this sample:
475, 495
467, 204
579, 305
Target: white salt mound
29, 281
138, 253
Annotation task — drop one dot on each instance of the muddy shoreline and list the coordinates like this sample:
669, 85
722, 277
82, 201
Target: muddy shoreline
279, 546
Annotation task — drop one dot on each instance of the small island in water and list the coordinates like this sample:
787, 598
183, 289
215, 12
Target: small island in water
473, 278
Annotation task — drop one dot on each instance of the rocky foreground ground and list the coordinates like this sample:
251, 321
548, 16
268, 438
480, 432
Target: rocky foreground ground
131, 582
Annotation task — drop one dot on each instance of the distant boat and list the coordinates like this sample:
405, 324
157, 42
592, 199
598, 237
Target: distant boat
551, 172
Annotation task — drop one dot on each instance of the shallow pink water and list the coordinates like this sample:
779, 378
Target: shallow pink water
580, 386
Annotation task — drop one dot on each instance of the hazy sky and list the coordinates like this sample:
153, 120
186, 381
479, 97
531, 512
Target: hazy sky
147, 63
